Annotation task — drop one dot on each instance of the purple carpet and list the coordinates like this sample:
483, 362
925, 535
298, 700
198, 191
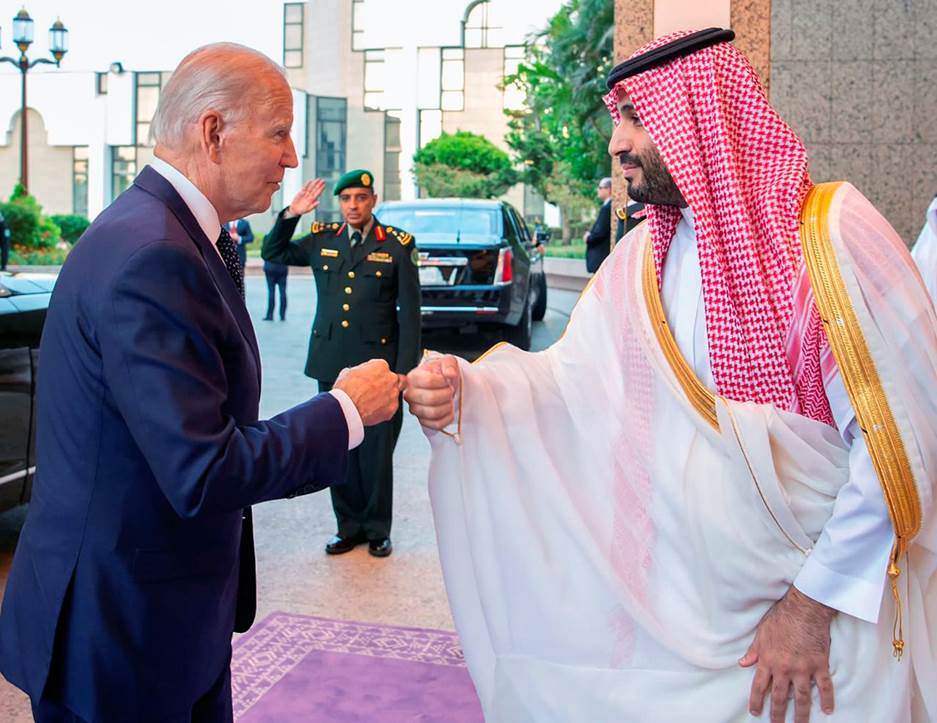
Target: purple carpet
316, 670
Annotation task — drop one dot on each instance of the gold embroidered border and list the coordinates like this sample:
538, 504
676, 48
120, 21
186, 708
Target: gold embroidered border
861, 379
702, 399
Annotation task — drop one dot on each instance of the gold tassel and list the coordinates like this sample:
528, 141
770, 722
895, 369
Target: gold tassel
894, 573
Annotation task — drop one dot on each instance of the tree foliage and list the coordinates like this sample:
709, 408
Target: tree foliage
463, 164
562, 135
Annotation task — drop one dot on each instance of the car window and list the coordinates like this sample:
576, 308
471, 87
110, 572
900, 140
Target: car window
522, 229
510, 229
465, 222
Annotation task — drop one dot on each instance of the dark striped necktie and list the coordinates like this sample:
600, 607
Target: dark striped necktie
229, 255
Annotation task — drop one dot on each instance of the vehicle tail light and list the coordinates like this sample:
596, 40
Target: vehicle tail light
504, 274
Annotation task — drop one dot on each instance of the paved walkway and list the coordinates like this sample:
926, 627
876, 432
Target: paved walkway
294, 574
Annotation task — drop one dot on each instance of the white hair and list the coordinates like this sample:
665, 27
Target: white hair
605, 182
223, 77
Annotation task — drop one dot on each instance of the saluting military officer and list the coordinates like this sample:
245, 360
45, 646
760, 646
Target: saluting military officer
368, 291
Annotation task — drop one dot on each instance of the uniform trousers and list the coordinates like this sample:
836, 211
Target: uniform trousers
363, 505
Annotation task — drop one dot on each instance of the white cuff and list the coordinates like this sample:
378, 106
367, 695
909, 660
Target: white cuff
851, 595
352, 418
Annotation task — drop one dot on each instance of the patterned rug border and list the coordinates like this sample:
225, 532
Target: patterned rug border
277, 644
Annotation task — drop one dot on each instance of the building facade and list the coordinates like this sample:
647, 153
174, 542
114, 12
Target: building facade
355, 105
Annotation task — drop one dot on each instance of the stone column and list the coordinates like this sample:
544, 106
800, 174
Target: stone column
634, 26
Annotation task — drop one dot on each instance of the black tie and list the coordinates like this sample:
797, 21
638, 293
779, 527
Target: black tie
355, 238
229, 255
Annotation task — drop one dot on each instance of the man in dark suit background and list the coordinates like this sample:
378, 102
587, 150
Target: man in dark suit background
241, 233
136, 561
4, 243
367, 305
599, 239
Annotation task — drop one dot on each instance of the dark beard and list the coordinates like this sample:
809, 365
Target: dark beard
657, 186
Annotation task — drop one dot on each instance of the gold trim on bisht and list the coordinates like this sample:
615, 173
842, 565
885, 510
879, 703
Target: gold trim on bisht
863, 385
702, 399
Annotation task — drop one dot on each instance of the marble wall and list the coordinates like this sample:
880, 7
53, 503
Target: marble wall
858, 80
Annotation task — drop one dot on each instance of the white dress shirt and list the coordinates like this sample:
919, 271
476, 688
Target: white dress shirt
207, 218
847, 566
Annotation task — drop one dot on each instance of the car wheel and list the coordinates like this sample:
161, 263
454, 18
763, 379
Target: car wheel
540, 306
521, 334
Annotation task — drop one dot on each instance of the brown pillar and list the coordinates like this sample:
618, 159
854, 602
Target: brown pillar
634, 26
751, 21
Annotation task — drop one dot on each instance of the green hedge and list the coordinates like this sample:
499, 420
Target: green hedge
71, 224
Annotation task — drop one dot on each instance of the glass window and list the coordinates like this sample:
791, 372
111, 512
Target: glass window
430, 125
392, 155
293, 25
80, 180
464, 222
513, 96
331, 123
100, 83
357, 24
452, 79
479, 30
147, 98
375, 81
123, 168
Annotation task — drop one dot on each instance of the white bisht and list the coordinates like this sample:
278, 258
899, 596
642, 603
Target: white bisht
611, 537
925, 250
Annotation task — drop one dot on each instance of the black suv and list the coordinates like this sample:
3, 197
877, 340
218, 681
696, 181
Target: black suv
479, 265
24, 299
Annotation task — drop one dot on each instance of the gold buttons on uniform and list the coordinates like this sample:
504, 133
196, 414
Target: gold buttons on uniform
325, 267
346, 307
378, 274
383, 340
351, 274
344, 323
348, 290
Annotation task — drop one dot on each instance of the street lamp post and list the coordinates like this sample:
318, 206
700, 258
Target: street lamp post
23, 38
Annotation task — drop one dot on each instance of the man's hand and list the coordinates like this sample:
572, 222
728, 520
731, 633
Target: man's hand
791, 647
308, 197
374, 389
432, 389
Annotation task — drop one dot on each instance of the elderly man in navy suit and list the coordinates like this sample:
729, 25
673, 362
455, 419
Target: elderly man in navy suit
136, 562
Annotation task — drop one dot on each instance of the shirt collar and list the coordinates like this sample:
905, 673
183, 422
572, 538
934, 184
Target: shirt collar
364, 231
688, 218
205, 214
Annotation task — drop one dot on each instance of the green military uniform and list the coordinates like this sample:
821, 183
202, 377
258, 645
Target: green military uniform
368, 308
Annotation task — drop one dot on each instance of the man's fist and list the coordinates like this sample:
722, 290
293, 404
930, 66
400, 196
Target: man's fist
374, 389
432, 389
308, 197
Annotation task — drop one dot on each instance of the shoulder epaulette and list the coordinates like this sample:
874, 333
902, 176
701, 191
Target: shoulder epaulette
402, 236
319, 227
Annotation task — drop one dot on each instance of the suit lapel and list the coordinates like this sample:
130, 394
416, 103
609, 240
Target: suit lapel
154, 184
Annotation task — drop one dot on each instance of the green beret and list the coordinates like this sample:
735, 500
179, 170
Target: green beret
358, 178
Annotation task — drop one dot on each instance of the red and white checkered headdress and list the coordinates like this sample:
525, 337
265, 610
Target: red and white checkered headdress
743, 172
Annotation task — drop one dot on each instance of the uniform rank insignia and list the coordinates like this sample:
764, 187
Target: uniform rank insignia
379, 233
415, 256
381, 257
332, 253
317, 227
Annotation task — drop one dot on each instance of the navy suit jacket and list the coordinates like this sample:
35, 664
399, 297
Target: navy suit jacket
137, 554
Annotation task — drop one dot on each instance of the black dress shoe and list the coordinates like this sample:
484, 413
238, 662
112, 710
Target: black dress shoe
268, 318
380, 548
339, 545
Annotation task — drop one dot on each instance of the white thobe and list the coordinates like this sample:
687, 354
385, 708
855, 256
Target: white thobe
924, 251
846, 568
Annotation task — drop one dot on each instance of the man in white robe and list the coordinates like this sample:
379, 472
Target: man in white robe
716, 488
